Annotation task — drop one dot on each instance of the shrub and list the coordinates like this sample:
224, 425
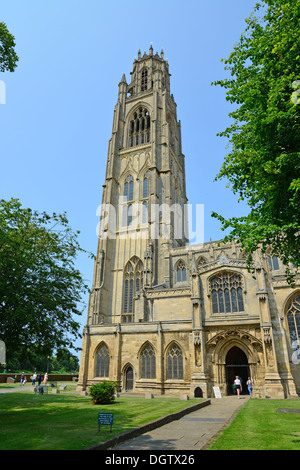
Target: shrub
103, 393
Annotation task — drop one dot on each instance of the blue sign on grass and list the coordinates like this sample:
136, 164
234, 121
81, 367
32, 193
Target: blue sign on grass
105, 418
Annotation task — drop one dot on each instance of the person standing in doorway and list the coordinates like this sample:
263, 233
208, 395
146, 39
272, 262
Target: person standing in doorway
250, 386
238, 386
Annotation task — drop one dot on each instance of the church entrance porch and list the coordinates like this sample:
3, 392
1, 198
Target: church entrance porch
236, 365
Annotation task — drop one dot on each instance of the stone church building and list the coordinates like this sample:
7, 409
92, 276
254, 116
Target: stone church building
166, 316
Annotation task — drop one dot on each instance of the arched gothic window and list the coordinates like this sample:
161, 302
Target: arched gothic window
133, 283
293, 319
128, 197
175, 363
201, 261
139, 128
146, 185
144, 82
128, 188
272, 260
181, 272
227, 293
148, 363
102, 362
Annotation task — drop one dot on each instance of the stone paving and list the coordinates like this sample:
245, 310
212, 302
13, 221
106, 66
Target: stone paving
192, 432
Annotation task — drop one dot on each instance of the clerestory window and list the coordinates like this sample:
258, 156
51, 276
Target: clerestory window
181, 272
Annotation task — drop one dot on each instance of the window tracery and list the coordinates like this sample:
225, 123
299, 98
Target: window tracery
181, 272
293, 319
227, 293
102, 362
139, 128
175, 363
148, 363
201, 262
133, 283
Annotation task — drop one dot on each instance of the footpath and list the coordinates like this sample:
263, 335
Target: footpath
191, 432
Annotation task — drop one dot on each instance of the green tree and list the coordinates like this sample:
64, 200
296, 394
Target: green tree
263, 163
8, 56
40, 288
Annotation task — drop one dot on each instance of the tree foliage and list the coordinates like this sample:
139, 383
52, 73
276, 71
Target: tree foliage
8, 56
263, 163
40, 288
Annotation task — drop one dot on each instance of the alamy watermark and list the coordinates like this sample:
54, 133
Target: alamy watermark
2, 92
157, 221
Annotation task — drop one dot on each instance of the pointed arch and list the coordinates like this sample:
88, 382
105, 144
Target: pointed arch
102, 361
201, 261
139, 126
226, 290
174, 361
292, 315
180, 270
147, 361
133, 283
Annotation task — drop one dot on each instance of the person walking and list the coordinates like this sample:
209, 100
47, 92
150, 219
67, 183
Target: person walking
45, 378
23, 379
40, 378
250, 386
238, 386
34, 378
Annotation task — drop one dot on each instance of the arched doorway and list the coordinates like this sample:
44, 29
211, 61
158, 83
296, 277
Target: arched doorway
198, 393
129, 379
236, 365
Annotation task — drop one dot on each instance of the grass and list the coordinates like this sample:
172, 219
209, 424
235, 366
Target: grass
258, 426
68, 421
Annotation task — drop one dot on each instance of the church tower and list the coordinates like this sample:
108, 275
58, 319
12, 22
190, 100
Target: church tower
145, 176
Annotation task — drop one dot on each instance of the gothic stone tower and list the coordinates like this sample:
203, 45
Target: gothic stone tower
165, 316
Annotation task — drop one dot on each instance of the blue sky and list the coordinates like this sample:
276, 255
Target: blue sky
57, 120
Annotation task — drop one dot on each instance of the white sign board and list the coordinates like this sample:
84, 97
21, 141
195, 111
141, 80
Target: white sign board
217, 392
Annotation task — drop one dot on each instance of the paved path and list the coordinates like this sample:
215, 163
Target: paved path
192, 432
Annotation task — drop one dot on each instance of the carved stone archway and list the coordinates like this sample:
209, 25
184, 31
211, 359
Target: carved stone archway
222, 342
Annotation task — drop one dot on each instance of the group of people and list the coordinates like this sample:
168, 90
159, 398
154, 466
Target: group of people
35, 377
238, 386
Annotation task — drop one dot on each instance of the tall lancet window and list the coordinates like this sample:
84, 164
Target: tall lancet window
139, 128
148, 363
102, 362
144, 82
145, 196
128, 198
133, 283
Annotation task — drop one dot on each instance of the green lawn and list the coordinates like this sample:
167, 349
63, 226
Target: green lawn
258, 426
68, 421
